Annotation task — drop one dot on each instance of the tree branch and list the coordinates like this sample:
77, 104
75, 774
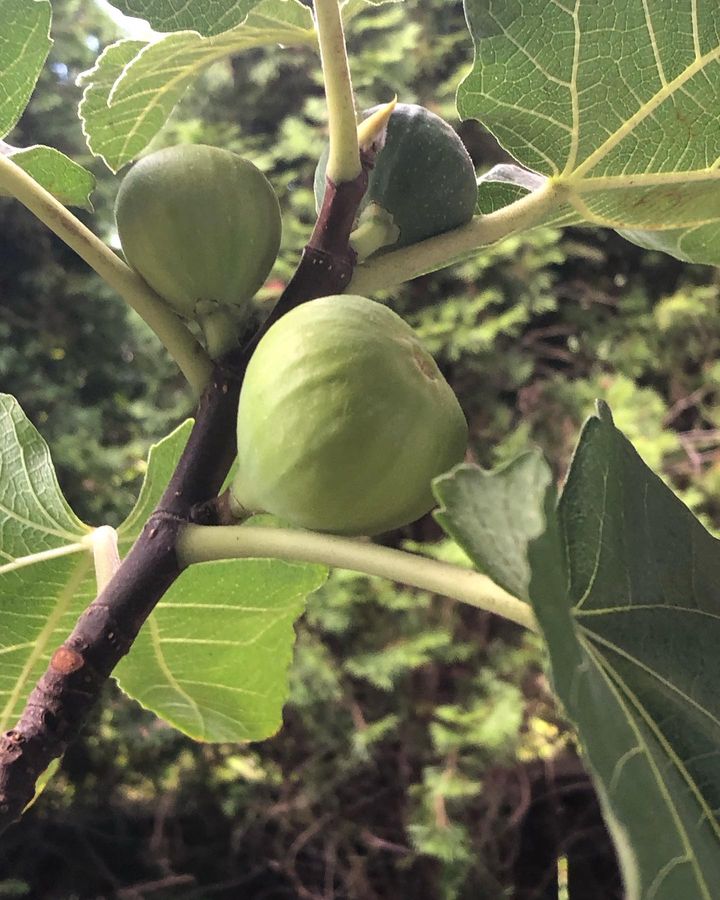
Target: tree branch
61, 700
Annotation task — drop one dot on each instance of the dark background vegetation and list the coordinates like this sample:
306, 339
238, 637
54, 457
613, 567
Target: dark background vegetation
422, 755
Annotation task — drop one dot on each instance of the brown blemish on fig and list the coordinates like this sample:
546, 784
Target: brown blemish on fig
426, 364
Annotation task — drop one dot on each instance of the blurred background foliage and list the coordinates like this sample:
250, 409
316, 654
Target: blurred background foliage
421, 735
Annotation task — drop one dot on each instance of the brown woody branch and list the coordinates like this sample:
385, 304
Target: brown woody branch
61, 700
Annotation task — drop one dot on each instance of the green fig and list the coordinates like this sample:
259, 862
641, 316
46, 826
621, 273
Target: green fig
344, 420
200, 224
423, 182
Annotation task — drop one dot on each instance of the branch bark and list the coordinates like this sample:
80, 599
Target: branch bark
62, 698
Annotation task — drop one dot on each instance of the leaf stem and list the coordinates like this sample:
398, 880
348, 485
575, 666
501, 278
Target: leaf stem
202, 543
194, 363
344, 158
104, 542
390, 269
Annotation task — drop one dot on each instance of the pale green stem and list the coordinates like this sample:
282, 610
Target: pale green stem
393, 268
203, 543
344, 156
104, 541
179, 341
220, 330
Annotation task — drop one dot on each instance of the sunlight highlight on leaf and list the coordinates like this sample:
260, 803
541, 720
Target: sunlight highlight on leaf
24, 46
134, 86
213, 658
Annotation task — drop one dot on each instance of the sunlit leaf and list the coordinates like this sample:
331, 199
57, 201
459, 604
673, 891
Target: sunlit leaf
207, 17
162, 459
24, 46
213, 657
34, 515
67, 181
102, 126
46, 567
134, 87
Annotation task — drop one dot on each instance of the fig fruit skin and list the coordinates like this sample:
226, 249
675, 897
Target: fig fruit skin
198, 223
343, 421
423, 176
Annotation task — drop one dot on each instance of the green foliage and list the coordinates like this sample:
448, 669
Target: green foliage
556, 97
23, 51
192, 16
139, 85
623, 581
214, 656
377, 785
91, 376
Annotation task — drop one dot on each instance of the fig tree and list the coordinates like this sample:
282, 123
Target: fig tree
344, 419
423, 182
200, 224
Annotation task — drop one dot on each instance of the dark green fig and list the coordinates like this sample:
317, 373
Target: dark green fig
423, 178
344, 420
199, 224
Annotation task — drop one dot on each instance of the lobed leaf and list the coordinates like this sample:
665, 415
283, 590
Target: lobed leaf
616, 102
134, 86
213, 657
102, 125
46, 567
624, 583
34, 515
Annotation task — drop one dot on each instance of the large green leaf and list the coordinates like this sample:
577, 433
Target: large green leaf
46, 572
134, 86
34, 515
213, 657
24, 46
102, 125
625, 586
617, 102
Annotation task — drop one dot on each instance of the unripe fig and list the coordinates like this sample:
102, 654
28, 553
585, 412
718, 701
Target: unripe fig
344, 419
199, 224
423, 178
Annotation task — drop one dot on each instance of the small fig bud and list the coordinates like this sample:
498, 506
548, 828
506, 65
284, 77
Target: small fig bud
423, 178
